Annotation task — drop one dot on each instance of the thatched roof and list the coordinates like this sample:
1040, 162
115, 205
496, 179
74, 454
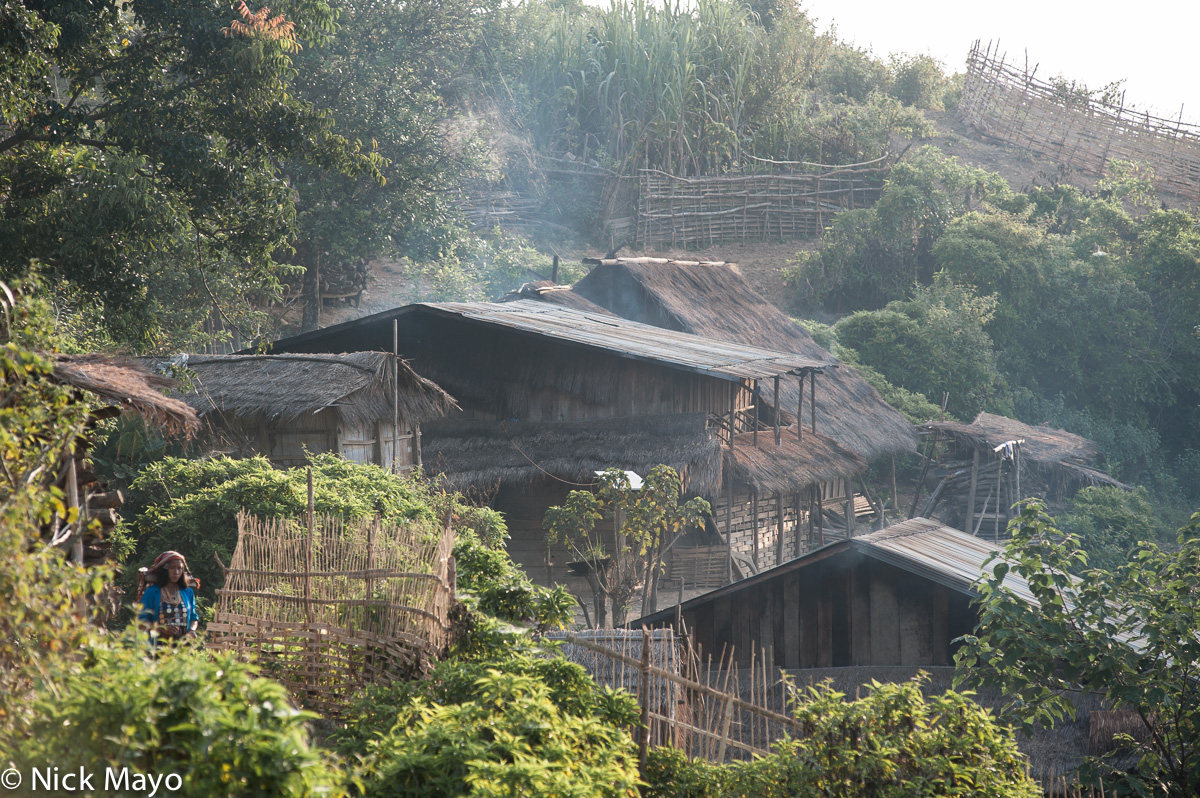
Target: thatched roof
793, 464
285, 387
483, 453
1044, 447
130, 386
713, 300
555, 294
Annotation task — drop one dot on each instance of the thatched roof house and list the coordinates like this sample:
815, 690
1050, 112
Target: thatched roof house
553, 392
128, 385
1048, 463
279, 405
712, 299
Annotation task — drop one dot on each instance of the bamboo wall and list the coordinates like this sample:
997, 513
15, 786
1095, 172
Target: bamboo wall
1010, 104
702, 211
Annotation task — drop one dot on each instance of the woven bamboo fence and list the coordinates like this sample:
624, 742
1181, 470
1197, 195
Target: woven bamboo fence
1011, 105
701, 211
337, 605
710, 710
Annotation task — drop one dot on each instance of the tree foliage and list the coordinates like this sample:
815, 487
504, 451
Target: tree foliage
44, 600
645, 520
140, 163
1130, 635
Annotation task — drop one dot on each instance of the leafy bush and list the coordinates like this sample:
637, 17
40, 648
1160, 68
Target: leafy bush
510, 739
500, 588
894, 743
192, 505
1110, 522
919, 81
210, 719
457, 680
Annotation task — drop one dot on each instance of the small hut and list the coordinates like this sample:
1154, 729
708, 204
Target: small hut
120, 385
366, 406
993, 462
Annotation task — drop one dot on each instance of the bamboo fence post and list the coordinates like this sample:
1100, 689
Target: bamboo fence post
308, 544
644, 695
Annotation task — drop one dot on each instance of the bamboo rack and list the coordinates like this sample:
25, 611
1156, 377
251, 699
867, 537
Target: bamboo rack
1010, 104
702, 211
353, 603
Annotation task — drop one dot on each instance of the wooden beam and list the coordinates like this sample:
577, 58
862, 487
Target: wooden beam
812, 398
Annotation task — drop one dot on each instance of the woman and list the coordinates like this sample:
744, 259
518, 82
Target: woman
168, 604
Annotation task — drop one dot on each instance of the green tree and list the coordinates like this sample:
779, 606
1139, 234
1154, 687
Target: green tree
44, 600
875, 255
140, 160
1109, 523
933, 343
1129, 634
626, 556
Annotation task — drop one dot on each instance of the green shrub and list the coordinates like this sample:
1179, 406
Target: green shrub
210, 719
510, 739
919, 81
455, 681
192, 505
894, 743
1110, 522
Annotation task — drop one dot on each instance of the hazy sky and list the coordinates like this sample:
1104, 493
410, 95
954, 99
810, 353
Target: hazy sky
1151, 44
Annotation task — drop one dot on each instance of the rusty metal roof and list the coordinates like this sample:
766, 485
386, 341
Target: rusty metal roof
632, 339
939, 553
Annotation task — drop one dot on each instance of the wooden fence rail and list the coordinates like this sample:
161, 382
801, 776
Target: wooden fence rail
1010, 104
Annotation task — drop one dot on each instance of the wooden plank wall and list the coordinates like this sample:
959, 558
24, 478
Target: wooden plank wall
498, 374
844, 610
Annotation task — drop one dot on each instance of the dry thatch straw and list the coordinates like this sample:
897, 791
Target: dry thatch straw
1045, 448
358, 386
130, 386
486, 452
791, 466
713, 300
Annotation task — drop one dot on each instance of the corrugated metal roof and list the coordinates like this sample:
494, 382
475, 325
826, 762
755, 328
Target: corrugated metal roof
937, 552
632, 339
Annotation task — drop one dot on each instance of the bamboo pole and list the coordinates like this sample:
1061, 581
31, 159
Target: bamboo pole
395, 396
644, 700
308, 545
778, 429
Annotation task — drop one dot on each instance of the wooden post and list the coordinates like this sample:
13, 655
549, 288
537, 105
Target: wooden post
799, 542
417, 443
725, 730
729, 519
820, 515
308, 544
554, 274
974, 485
1017, 467
644, 700
395, 396
800, 411
812, 399
732, 413
754, 412
849, 510
73, 501
778, 430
